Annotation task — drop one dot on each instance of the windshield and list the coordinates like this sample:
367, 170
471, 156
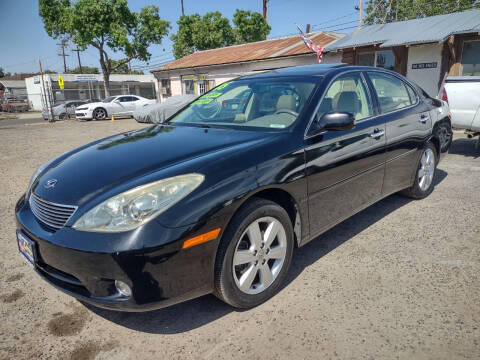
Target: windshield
272, 104
109, 99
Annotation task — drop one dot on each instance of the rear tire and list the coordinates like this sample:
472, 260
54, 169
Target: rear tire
262, 261
423, 183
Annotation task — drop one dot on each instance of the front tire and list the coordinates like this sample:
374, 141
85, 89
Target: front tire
423, 183
99, 114
254, 254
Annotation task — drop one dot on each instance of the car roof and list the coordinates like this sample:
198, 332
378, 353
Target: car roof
309, 70
305, 70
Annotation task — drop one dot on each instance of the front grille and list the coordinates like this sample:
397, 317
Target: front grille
53, 215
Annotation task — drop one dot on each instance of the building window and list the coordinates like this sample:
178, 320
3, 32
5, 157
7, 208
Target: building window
188, 84
471, 58
166, 88
366, 59
383, 59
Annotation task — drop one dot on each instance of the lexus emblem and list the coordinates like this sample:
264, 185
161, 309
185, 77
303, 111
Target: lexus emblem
50, 183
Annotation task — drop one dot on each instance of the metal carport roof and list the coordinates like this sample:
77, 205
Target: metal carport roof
417, 31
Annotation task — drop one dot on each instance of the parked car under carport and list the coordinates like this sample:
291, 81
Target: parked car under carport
158, 113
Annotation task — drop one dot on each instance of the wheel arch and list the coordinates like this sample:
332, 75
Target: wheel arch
435, 137
284, 199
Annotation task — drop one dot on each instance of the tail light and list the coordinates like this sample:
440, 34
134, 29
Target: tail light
444, 95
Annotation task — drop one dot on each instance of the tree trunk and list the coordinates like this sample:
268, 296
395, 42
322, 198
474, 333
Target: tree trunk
106, 72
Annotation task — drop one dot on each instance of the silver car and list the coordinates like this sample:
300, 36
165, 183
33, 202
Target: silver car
63, 111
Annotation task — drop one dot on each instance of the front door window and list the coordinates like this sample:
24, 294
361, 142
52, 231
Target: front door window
347, 93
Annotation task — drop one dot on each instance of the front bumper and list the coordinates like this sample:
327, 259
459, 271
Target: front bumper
149, 260
84, 114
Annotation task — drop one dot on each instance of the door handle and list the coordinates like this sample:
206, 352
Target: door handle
424, 119
377, 134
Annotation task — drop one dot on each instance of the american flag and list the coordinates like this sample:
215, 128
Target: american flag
309, 43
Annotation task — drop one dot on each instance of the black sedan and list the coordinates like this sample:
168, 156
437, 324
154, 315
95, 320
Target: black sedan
215, 200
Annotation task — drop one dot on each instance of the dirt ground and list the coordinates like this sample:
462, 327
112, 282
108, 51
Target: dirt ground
399, 280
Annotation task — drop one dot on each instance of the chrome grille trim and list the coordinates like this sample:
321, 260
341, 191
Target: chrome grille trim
51, 214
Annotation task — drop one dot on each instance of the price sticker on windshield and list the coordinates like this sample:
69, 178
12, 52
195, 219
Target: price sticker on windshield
224, 85
211, 95
202, 101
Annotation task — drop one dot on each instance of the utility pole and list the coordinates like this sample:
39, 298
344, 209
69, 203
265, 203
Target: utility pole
360, 14
183, 11
63, 45
77, 50
265, 2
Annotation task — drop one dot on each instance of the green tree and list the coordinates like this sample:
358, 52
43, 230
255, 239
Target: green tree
85, 70
249, 26
201, 33
212, 31
105, 24
393, 10
3, 73
122, 68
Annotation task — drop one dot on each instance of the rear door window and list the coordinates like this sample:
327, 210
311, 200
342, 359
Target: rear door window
391, 92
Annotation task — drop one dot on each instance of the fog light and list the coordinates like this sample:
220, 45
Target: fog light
123, 288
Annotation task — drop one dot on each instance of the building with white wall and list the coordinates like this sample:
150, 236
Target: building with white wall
202, 70
425, 50
86, 86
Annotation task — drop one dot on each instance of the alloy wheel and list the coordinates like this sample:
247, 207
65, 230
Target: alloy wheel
427, 169
99, 114
259, 255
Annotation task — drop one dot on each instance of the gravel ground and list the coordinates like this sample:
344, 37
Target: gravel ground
399, 280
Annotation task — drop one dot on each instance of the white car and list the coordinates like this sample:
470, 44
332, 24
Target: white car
120, 105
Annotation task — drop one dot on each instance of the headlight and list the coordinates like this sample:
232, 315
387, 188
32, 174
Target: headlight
135, 207
38, 172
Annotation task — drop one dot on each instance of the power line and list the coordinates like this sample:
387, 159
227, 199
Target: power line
30, 62
340, 24
332, 20
149, 67
345, 28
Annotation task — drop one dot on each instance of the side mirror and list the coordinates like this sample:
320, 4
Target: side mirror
337, 121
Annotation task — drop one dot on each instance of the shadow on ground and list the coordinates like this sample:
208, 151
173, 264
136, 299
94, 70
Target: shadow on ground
465, 147
198, 312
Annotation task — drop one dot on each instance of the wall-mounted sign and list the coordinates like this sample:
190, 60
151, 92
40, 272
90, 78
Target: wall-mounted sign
429, 65
85, 77
60, 82
36, 79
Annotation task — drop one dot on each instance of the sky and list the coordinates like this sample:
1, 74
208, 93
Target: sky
23, 40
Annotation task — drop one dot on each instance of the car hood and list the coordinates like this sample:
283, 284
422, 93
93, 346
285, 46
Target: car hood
123, 161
